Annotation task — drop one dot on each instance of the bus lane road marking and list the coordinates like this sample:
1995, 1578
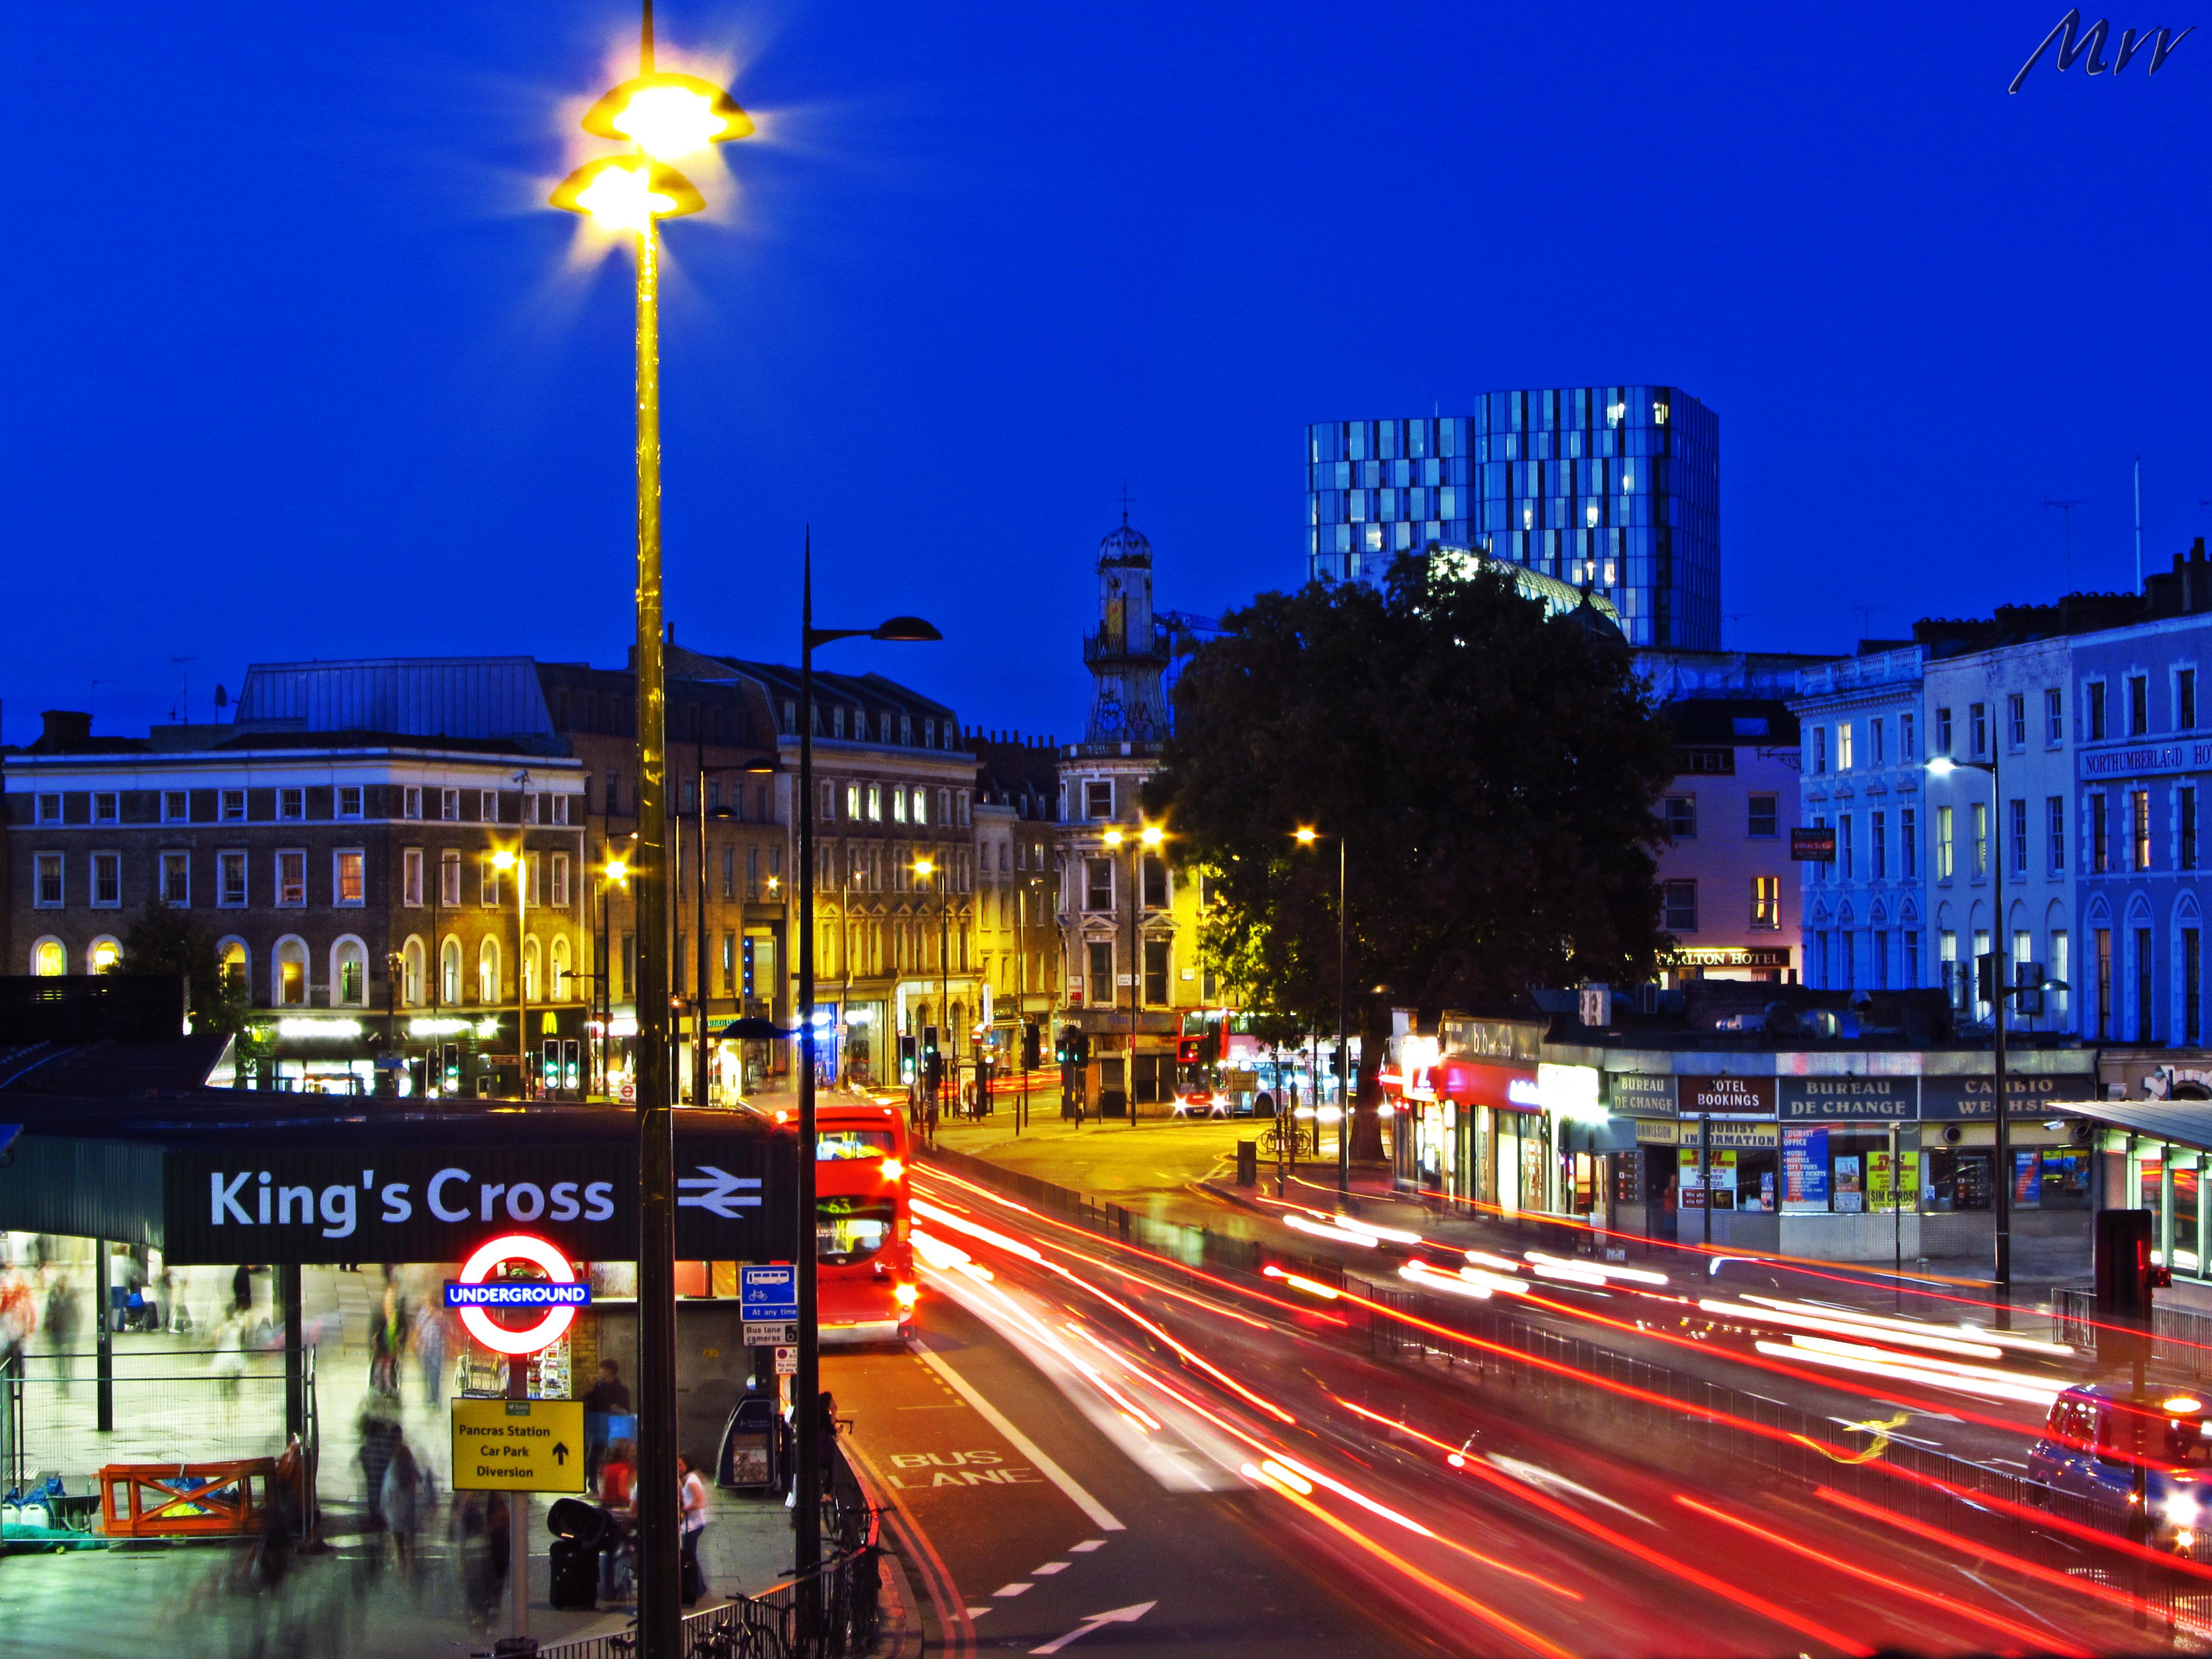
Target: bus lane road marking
1100, 1515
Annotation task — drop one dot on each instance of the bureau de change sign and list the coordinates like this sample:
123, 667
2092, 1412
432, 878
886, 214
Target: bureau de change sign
735, 1201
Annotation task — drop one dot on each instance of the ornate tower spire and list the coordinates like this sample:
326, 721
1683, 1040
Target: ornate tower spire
1128, 652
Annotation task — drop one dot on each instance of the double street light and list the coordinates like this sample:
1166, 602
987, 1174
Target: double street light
1148, 840
663, 116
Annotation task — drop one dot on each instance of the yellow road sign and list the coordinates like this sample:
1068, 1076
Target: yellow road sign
517, 1446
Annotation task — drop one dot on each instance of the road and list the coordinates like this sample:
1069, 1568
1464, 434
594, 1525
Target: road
1275, 1488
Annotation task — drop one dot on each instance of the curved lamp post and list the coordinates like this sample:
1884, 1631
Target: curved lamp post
1306, 837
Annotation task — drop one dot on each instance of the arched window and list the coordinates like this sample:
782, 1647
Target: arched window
102, 954
348, 973
50, 958
558, 985
487, 971
291, 975
237, 965
449, 971
410, 974
530, 970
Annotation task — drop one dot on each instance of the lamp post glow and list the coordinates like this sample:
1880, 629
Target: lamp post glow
631, 194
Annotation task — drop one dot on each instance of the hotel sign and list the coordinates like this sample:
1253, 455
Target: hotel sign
1730, 956
1848, 1099
1731, 1097
2148, 758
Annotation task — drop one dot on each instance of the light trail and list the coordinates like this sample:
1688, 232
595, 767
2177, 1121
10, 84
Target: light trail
2035, 1641
1962, 1332
1857, 1357
1808, 1321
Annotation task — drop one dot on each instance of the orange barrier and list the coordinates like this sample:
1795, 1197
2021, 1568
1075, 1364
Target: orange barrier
174, 1500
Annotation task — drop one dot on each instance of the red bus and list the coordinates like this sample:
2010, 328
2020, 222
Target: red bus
864, 1255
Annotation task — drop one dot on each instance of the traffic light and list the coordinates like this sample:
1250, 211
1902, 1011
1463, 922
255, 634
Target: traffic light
1985, 976
1202, 1050
451, 1069
2126, 1275
929, 1039
1032, 1046
1082, 1054
906, 1057
932, 1068
550, 1070
572, 1062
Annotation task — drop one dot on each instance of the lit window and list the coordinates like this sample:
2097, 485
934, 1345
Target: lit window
922, 807
348, 883
352, 976
50, 959
1844, 747
292, 974
292, 880
561, 879
103, 956
1766, 902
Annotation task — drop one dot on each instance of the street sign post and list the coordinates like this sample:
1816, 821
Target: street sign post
518, 1445
771, 1333
768, 1292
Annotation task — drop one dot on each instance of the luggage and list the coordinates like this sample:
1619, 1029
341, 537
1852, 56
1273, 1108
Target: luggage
575, 1576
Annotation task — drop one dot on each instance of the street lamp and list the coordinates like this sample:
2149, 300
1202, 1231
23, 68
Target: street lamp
2002, 992
614, 873
758, 766
925, 868
631, 193
506, 860
807, 1512
1148, 839
1306, 837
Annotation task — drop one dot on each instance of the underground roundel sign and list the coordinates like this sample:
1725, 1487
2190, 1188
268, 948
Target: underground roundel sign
476, 1293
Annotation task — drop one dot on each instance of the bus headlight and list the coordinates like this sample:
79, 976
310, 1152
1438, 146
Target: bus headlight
2179, 1509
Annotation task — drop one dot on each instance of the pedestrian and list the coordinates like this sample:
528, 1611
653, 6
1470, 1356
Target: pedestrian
430, 1351
241, 1290
379, 1436
478, 1528
19, 1317
61, 1327
929, 1120
403, 1500
388, 1337
691, 1492
618, 1498
606, 1398
227, 1363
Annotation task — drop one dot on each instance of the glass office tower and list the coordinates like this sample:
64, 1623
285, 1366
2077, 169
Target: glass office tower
1618, 487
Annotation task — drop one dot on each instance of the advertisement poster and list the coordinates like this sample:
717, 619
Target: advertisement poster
1804, 1170
1893, 1187
1849, 1197
2027, 1178
1693, 1194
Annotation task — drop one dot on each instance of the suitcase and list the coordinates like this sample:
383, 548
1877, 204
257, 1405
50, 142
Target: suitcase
576, 1577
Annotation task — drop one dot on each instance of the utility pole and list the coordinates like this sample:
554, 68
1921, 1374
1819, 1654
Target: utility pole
2138, 524
2066, 512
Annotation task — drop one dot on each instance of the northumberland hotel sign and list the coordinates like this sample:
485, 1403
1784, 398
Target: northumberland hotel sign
2149, 757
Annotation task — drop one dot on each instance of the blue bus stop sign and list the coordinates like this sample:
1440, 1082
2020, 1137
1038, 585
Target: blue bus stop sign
767, 1294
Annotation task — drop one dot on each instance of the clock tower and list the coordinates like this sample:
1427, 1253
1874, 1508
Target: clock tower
1128, 653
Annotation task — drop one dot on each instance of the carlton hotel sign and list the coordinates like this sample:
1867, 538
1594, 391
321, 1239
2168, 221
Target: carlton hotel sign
2149, 757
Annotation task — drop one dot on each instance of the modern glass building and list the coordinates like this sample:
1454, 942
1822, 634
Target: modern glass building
1618, 487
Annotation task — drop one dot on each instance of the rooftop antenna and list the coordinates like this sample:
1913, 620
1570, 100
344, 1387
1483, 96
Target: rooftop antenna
185, 684
2066, 510
1125, 501
2138, 524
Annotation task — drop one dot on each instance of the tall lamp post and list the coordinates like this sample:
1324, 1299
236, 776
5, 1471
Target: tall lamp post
807, 1514
1944, 766
1148, 840
1306, 837
758, 766
660, 116
516, 863
925, 868
612, 874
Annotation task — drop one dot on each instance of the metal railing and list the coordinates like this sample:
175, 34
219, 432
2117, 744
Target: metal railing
2180, 1337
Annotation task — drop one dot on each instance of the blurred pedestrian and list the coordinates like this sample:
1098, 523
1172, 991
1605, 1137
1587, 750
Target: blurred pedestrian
61, 1328
618, 1497
241, 1290
605, 1399
479, 1530
388, 1337
692, 1493
380, 1438
403, 1498
430, 1351
227, 1363
19, 1317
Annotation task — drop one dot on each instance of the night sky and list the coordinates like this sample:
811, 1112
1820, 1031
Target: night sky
299, 366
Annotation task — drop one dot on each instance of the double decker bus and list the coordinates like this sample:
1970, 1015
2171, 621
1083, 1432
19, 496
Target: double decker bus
864, 1256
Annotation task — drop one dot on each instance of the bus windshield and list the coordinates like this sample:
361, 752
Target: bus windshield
839, 1146
850, 1229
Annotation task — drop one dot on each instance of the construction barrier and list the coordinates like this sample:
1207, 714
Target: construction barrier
194, 1500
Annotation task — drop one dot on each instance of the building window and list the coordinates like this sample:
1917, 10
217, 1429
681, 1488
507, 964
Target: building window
1680, 902
2139, 826
1766, 816
1908, 844
230, 880
449, 877
176, 806
2138, 705
2100, 848
410, 974
561, 878
752, 872
2184, 700
1981, 812
411, 876
2016, 721
351, 988
292, 879
410, 802
349, 800
47, 886
1874, 742
106, 807
2054, 716
48, 809
1156, 973
488, 971
1942, 730
1156, 884
1843, 746
2060, 970
1098, 798
449, 971
488, 806
2146, 1026
1845, 865
2096, 690
1978, 728
1681, 818
349, 882
560, 979
488, 883
177, 880
2193, 980
1098, 885
1102, 973
2017, 828
292, 972
1766, 902
920, 813
2054, 813
561, 808
1905, 737
1820, 750
1878, 846
851, 802
292, 804
531, 800
449, 804
234, 807
2185, 850
2101, 942
50, 958
1946, 845
107, 881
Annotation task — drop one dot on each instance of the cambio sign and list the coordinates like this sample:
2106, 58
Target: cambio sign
395, 1204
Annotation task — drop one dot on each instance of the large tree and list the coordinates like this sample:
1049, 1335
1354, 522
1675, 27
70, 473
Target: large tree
1492, 770
163, 940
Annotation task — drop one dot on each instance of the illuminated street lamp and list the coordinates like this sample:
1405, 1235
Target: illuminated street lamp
615, 873
504, 861
1148, 838
925, 868
1306, 837
631, 194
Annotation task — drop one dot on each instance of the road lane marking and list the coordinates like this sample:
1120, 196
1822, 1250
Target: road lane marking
953, 1624
1048, 1569
1098, 1621
1086, 1546
1101, 1517
977, 1613
1011, 1589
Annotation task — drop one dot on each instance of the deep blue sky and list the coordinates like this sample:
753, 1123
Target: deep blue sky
298, 367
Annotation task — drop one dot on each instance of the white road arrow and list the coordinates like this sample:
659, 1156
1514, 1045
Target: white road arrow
717, 1190
1098, 1621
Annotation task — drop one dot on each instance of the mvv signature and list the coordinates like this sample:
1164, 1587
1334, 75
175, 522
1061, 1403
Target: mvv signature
2074, 43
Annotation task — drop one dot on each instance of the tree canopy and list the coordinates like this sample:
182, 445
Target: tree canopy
162, 940
1491, 768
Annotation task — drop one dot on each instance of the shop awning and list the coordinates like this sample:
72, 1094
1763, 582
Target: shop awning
2188, 1122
